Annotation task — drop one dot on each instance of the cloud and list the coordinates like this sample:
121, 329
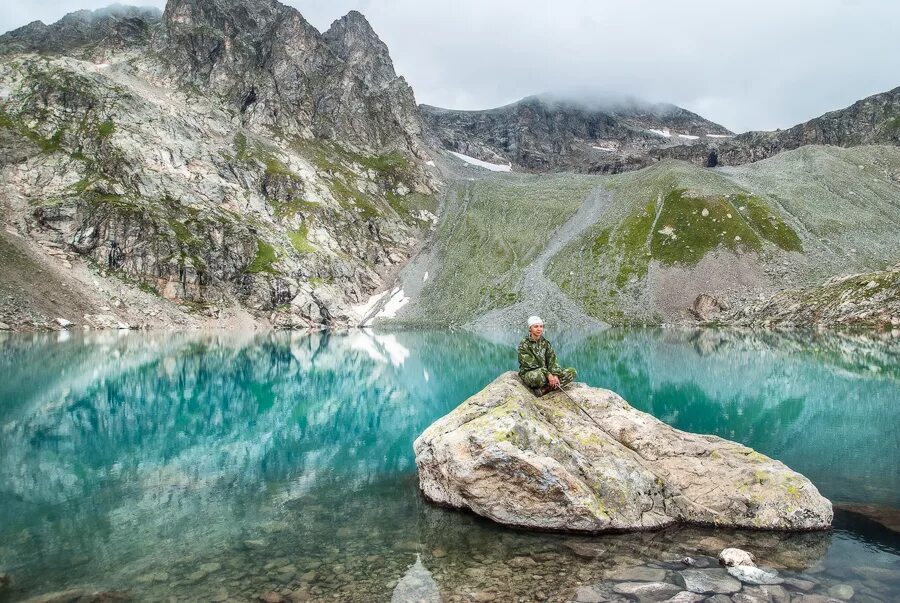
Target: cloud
759, 65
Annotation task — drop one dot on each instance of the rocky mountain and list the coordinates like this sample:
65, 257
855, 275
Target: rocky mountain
872, 120
548, 133
225, 162
275, 70
542, 134
230, 158
85, 33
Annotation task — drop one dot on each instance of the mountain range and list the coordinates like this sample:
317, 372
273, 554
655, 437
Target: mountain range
223, 162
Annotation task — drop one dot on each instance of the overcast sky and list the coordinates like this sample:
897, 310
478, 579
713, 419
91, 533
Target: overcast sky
761, 64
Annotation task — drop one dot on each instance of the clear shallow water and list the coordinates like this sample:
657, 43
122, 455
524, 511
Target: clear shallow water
221, 466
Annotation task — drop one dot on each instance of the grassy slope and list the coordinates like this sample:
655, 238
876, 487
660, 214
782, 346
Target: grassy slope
846, 199
795, 208
658, 217
495, 227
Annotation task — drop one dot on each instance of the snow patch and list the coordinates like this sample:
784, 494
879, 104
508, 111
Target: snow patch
688, 136
425, 276
665, 132
430, 162
362, 310
608, 149
398, 300
494, 167
719, 136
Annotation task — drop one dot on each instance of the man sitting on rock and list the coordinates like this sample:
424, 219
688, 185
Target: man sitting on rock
538, 367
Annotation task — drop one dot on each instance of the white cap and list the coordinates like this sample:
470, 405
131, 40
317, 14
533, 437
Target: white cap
534, 320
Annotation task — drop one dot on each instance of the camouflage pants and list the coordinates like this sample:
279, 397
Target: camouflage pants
536, 377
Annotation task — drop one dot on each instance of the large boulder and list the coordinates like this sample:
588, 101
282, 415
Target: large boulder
547, 464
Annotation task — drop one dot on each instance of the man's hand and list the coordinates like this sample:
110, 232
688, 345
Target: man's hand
553, 381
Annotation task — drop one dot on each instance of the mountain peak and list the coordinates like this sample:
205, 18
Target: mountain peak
352, 39
115, 26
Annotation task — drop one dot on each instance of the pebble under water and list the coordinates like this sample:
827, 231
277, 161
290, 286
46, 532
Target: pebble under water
279, 466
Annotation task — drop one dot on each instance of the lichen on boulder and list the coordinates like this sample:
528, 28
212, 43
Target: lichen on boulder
544, 463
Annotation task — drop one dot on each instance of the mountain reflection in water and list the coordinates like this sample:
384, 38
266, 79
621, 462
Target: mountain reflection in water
122, 453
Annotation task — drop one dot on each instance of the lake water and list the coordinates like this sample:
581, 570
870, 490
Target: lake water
213, 466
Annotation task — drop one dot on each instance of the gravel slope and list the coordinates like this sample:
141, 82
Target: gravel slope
541, 295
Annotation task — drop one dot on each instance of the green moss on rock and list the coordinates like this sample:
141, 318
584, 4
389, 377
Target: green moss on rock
299, 240
106, 129
264, 260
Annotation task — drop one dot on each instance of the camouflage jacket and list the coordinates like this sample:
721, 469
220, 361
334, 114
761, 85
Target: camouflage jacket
537, 355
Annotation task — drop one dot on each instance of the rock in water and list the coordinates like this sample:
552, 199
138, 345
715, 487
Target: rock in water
754, 575
732, 556
544, 463
416, 586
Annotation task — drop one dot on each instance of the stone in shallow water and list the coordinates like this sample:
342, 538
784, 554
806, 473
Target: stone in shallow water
707, 581
585, 550
636, 574
603, 465
881, 574
754, 575
699, 561
685, 596
733, 556
220, 596
647, 591
522, 561
81, 595
416, 586
841, 591
589, 594
800, 583
209, 568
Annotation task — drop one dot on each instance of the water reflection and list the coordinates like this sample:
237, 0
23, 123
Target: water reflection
127, 455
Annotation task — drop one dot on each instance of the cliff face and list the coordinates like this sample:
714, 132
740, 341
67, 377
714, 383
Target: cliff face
542, 133
275, 70
232, 155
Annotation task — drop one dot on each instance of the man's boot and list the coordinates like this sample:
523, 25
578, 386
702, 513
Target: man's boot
541, 391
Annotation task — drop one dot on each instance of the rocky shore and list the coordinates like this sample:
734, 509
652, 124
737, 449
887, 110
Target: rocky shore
868, 301
695, 566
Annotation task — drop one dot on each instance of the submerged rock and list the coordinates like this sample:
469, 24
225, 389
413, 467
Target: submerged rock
708, 581
647, 591
732, 556
545, 463
754, 575
417, 585
81, 595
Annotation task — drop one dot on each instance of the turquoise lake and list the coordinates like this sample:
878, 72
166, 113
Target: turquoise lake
220, 466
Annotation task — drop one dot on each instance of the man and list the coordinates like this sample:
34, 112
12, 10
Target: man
538, 367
